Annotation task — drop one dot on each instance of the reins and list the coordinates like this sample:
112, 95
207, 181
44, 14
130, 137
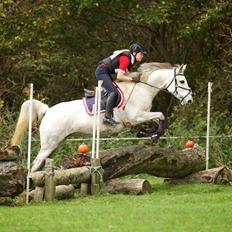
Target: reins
129, 96
160, 89
155, 87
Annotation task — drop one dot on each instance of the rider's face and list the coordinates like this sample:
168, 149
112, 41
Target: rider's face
139, 56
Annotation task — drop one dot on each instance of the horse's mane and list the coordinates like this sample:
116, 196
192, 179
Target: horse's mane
147, 68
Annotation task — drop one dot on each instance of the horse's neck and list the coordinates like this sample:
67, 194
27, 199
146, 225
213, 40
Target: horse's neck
161, 78
141, 92
157, 80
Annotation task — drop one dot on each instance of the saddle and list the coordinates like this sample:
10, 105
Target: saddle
89, 99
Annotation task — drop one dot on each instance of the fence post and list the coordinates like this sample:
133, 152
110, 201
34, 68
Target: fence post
96, 169
29, 144
208, 125
50, 186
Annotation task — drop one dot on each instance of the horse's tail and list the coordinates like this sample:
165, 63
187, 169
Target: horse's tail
38, 111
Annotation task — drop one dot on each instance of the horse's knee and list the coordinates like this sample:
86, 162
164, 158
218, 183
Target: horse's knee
39, 161
37, 164
161, 117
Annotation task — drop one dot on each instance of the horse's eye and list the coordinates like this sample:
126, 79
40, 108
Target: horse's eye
182, 82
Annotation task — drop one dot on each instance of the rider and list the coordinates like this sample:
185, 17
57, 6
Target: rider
120, 63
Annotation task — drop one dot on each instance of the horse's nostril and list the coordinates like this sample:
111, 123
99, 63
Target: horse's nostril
190, 101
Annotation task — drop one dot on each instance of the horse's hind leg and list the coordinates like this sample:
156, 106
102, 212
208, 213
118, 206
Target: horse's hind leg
40, 159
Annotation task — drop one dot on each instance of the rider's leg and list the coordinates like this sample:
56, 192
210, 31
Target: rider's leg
111, 100
101, 74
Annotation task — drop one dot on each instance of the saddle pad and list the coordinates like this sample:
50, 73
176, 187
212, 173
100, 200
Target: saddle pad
89, 102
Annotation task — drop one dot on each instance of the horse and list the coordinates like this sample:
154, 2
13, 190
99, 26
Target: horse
66, 118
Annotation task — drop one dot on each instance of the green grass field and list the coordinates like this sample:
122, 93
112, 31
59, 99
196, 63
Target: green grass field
189, 207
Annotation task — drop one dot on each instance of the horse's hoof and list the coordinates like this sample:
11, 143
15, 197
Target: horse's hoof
141, 134
155, 138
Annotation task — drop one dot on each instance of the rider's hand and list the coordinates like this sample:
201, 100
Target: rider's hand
136, 78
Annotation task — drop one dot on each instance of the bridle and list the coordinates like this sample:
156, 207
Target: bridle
176, 85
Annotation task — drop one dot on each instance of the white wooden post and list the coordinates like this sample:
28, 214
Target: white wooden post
94, 127
208, 125
29, 144
98, 117
96, 170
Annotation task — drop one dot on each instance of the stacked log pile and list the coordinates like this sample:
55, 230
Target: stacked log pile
12, 173
179, 166
184, 165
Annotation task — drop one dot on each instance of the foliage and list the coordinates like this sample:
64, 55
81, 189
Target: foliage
57, 44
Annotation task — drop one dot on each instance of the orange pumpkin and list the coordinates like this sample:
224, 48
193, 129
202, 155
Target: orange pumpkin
189, 144
83, 148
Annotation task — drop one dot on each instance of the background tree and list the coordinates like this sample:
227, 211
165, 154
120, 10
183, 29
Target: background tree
57, 44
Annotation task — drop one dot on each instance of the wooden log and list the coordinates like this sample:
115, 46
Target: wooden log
50, 186
63, 177
10, 153
131, 186
12, 178
161, 162
38, 178
220, 175
72, 176
37, 194
61, 192
64, 191
85, 189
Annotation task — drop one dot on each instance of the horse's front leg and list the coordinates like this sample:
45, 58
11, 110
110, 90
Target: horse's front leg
152, 116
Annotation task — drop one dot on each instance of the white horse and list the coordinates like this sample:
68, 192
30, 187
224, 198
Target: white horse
70, 117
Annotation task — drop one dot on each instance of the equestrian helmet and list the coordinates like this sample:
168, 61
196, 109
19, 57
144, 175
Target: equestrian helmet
136, 47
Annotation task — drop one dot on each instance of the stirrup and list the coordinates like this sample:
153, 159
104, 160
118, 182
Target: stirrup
110, 121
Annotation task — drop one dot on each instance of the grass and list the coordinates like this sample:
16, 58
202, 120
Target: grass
189, 207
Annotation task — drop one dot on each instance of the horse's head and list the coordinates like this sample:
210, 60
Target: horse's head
178, 86
163, 76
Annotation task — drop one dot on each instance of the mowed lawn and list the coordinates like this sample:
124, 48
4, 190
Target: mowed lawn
186, 207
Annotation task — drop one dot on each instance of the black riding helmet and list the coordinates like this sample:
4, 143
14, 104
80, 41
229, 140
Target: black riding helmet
136, 47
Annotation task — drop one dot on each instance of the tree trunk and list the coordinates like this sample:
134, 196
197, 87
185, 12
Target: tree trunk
161, 162
132, 186
220, 175
12, 178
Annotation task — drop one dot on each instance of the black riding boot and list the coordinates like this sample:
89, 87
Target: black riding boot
109, 109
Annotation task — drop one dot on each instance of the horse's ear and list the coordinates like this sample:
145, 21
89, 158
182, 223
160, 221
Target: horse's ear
182, 68
179, 69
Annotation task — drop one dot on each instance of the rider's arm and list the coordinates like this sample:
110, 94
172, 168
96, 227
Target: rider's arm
122, 76
123, 69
